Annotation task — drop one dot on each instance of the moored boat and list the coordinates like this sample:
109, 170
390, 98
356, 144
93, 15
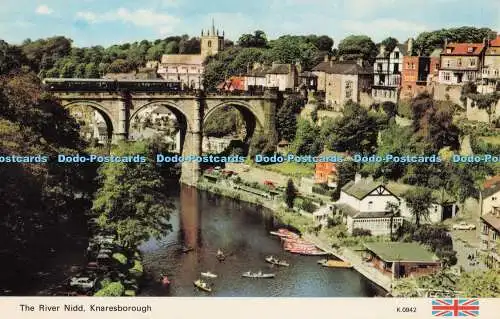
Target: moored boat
336, 264
276, 261
200, 284
259, 274
208, 274
220, 255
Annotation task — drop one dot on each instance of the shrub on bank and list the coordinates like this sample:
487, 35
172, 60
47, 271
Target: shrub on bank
114, 289
137, 270
121, 258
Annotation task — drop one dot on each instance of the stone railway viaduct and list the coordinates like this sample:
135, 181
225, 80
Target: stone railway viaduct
119, 107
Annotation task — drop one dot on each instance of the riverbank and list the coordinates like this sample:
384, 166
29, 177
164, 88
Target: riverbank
305, 226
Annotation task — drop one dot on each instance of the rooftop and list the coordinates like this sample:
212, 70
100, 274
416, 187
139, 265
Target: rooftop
360, 189
495, 42
491, 186
342, 68
402, 252
354, 213
463, 49
493, 220
279, 68
195, 59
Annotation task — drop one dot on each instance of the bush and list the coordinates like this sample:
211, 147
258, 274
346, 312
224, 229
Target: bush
322, 189
404, 109
114, 289
308, 205
137, 269
357, 232
120, 258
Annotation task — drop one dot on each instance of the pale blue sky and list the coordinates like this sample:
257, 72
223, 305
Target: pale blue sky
105, 22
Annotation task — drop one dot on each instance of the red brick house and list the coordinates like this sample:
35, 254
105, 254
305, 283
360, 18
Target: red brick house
414, 75
326, 172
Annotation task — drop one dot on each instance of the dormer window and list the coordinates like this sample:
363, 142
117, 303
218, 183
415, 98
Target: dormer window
470, 49
448, 50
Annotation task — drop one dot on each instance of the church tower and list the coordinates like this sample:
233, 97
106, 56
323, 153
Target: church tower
211, 42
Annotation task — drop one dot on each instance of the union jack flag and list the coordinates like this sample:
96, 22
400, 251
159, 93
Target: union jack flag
455, 307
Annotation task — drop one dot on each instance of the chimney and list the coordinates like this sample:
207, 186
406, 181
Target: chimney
382, 49
410, 46
357, 177
326, 59
445, 43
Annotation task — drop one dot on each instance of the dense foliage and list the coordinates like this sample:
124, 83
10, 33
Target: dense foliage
131, 200
36, 199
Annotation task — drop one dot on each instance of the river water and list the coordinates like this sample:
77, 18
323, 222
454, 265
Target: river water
208, 222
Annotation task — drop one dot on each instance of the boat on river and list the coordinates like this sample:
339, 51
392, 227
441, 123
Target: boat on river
220, 255
259, 274
208, 274
200, 284
335, 264
284, 233
276, 261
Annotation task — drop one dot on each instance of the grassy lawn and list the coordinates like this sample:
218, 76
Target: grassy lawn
290, 169
495, 140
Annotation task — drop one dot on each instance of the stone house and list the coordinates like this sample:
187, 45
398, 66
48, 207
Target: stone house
490, 237
387, 72
461, 62
342, 81
491, 67
399, 260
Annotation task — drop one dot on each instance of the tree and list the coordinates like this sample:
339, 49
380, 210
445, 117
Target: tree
355, 131
91, 71
131, 200
290, 193
11, 58
256, 40
419, 201
357, 46
324, 43
426, 42
120, 66
286, 117
395, 211
480, 284
389, 43
306, 140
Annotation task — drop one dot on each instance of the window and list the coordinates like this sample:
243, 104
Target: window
448, 63
495, 235
379, 67
396, 55
396, 68
472, 62
209, 44
446, 76
493, 198
470, 49
459, 62
408, 65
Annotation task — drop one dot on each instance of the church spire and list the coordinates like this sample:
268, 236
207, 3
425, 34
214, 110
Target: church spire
213, 27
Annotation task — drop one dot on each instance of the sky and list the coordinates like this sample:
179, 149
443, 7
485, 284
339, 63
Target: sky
107, 22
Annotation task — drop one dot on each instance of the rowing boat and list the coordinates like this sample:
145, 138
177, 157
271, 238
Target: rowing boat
277, 262
200, 284
259, 274
208, 274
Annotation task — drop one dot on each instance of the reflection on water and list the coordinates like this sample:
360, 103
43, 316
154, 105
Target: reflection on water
207, 222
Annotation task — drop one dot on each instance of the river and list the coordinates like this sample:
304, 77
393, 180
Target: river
208, 222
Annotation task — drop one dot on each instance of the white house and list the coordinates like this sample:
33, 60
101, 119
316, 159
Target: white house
363, 204
282, 76
490, 196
